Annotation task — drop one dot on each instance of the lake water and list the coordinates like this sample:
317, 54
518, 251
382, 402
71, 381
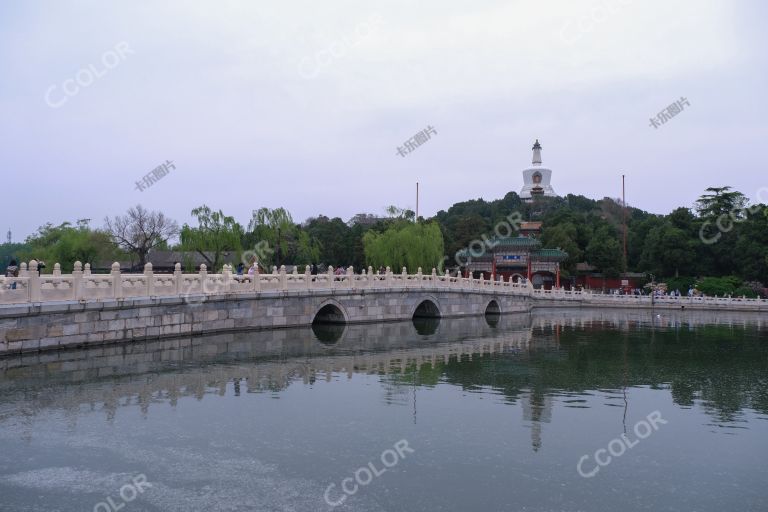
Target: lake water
478, 414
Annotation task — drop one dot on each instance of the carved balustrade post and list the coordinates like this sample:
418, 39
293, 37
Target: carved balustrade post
149, 276
117, 281
203, 278
177, 279
77, 281
34, 282
226, 276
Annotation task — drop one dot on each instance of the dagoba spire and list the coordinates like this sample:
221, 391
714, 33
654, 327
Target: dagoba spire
536, 153
536, 179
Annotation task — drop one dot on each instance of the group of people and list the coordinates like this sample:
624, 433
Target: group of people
12, 270
253, 268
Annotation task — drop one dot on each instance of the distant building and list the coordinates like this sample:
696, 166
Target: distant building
516, 258
536, 179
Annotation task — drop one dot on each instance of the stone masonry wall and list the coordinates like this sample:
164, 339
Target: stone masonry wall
53, 325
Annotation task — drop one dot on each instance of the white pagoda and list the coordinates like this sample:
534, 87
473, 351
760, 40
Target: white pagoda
536, 179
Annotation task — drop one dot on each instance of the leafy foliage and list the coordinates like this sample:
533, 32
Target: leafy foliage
65, 244
405, 244
215, 233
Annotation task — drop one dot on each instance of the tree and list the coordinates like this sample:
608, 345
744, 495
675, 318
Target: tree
563, 236
333, 238
277, 228
307, 249
396, 212
65, 244
405, 244
668, 250
11, 251
140, 230
751, 246
720, 202
604, 251
215, 233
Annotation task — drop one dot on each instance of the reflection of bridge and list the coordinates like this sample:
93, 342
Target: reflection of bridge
166, 370
163, 371
271, 359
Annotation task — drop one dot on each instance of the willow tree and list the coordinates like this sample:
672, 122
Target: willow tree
277, 229
405, 244
215, 234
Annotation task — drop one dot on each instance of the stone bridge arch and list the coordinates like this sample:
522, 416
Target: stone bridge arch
493, 307
330, 311
426, 306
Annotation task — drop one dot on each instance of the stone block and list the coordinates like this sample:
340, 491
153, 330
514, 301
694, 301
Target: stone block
109, 315
55, 307
15, 311
70, 329
94, 337
111, 335
28, 345
27, 333
240, 313
56, 330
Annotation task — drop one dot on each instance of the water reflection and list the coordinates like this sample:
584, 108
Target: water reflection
715, 360
328, 333
426, 326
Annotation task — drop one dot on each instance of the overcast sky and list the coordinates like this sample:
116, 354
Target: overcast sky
304, 104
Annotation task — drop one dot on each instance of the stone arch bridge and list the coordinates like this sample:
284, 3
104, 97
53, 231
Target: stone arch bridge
83, 309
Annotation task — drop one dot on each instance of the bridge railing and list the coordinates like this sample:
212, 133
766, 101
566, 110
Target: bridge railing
82, 285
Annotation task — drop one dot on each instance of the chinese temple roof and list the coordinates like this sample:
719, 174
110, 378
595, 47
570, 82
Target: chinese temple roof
515, 241
549, 255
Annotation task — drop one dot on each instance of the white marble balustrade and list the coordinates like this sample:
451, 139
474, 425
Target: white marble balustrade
82, 285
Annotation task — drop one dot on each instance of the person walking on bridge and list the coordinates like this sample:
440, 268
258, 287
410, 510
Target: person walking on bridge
12, 270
